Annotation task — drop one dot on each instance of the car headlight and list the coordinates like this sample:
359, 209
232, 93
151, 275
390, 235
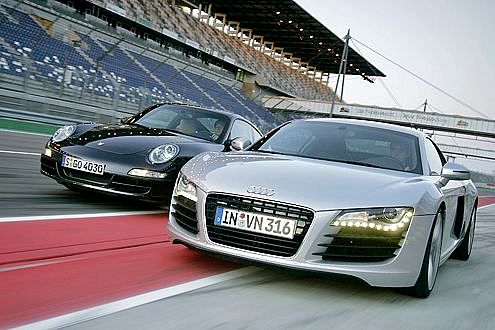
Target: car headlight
63, 133
186, 188
381, 219
163, 154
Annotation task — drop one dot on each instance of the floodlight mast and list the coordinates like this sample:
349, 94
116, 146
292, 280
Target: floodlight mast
342, 68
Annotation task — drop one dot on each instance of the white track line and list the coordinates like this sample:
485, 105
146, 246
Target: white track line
482, 207
80, 216
22, 132
97, 215
8, 269
145, 298
20, 152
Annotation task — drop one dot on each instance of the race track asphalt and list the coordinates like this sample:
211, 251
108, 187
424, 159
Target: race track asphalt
263, 299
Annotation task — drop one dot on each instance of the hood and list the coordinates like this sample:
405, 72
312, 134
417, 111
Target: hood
320, 185
128, 139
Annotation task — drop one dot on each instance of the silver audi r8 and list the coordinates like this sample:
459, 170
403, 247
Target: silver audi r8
375, 201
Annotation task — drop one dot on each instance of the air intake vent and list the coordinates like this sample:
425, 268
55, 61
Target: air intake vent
184, 212
361, 244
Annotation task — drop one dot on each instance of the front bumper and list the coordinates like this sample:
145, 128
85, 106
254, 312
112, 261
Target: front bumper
401, 270
115, 181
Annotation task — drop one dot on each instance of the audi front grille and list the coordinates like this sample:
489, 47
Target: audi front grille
253, 241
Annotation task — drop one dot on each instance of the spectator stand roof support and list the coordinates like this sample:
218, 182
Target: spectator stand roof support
284, 30
289, 27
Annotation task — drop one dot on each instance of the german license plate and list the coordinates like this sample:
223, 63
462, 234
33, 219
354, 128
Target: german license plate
83, 165
255, 222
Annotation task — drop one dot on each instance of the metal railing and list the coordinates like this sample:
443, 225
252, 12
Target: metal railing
83, 94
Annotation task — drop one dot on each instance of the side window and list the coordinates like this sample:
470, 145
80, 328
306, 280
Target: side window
434, 157
243, 129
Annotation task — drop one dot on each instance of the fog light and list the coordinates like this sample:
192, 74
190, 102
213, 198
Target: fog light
48, 152
147, 173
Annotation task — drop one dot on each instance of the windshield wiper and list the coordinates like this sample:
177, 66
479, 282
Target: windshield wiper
353, 162
136, 124
272, 152
171, 130
156, 128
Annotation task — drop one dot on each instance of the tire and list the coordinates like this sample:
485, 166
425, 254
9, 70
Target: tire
463, 251
431, 261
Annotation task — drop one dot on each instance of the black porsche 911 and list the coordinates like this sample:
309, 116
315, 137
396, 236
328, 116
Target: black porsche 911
141, 157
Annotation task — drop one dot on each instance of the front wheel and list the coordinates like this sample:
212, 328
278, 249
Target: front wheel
463, 251
431, 261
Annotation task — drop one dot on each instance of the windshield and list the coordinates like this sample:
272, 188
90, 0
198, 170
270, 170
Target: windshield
349, 143
200, 123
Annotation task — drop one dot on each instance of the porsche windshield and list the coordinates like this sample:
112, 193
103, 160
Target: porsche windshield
200, 123
349, 143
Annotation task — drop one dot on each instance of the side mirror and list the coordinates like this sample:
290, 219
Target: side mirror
239, 143
454, 171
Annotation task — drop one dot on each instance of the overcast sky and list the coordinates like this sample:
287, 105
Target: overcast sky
449, 43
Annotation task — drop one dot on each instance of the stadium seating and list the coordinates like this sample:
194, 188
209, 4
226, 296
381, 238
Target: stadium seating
277, 74
172, 77
85, 61
27, 44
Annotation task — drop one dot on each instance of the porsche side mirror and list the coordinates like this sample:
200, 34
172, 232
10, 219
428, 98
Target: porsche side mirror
455, 171
239, 143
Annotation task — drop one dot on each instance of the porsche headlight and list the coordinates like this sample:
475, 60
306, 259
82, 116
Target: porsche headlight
186, 188
381, 219
163, 154
63, 133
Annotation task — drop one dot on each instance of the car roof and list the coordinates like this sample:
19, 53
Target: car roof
197, 107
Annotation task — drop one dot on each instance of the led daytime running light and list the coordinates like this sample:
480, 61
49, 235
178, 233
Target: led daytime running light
388, 219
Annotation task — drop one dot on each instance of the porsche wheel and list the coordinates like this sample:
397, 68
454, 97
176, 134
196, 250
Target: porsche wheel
431, 261
463, 251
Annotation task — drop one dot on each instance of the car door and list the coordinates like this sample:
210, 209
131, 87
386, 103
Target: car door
454, 194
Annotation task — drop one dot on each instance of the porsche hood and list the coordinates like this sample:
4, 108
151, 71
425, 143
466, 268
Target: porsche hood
318, 184
127, 139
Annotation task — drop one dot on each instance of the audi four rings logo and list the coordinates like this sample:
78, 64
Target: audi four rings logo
260, 191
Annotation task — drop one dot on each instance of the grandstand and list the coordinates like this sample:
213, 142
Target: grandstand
97, 60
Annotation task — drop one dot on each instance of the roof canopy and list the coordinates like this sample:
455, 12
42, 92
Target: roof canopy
290, 27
